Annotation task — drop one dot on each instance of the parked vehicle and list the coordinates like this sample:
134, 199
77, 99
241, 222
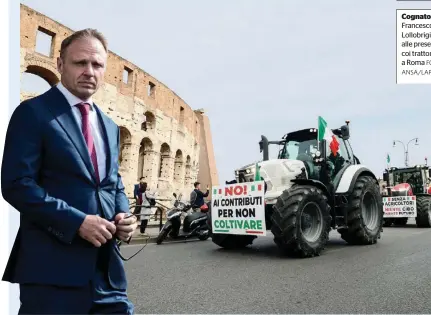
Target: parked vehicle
194, 223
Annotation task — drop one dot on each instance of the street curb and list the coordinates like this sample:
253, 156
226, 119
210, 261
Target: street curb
141, 240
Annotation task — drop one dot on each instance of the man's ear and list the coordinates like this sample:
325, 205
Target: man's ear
59, 65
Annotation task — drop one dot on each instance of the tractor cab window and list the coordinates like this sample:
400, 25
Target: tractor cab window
302, 150
350, 152
298, 150
411, 177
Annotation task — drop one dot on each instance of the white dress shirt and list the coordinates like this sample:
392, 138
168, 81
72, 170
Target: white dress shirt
96, 127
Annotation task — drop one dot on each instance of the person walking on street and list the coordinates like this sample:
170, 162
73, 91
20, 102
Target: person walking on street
146, 200
60, 171
136, 194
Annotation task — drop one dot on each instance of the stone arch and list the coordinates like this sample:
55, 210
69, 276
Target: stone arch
37, 79
179, 168
125, 147
165, 154
188, 172
45, 71
150, 121
145, 159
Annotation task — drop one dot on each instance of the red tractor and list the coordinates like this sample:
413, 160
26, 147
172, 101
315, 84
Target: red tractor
407, 195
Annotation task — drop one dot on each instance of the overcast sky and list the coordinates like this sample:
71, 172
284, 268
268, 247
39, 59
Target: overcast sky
270, 67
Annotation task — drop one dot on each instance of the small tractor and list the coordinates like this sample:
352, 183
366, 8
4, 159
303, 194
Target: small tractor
411, 183
311, 187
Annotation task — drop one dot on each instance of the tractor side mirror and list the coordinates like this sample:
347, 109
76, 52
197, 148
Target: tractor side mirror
175, 195
345, 132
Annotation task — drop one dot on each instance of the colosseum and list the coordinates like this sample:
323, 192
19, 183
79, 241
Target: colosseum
162, 138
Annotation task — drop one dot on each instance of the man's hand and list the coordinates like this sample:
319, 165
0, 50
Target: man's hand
125, 227
96, 230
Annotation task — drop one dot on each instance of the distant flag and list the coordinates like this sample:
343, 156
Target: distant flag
323, 132
388, 158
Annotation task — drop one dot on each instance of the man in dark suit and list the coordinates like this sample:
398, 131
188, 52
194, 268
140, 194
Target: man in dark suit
60, 171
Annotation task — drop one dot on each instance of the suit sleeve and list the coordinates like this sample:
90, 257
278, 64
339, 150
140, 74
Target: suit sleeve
22, 162
121, 200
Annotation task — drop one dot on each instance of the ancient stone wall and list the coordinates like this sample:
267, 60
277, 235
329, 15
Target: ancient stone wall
160, 134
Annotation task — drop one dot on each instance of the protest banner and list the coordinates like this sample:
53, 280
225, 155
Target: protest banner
399, 207
239, 209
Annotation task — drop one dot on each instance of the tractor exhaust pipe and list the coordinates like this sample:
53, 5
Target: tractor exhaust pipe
263, 144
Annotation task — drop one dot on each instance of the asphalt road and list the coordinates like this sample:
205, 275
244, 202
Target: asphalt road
393, 276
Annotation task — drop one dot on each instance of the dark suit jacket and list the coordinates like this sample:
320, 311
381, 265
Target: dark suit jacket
48, 177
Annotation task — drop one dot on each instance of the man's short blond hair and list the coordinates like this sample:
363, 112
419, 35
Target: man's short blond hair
85, 33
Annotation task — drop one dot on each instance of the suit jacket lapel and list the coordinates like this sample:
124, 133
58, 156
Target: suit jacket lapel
110, 138
62, 112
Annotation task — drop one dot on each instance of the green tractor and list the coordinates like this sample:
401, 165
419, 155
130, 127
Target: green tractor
407, 195
310, 188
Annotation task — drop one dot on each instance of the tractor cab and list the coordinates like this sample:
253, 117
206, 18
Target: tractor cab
302, 146
408, 181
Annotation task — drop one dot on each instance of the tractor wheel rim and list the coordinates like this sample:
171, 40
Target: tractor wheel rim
370, 211
311, 222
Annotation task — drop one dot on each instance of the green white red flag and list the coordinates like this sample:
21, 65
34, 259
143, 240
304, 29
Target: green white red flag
325, 133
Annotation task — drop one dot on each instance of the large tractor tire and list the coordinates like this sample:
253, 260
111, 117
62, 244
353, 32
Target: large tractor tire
301, 221
423, 205
228, 241
364, 213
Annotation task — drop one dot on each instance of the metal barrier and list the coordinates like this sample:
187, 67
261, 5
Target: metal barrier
159, 210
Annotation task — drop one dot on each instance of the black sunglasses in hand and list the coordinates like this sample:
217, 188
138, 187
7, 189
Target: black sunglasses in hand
119, 242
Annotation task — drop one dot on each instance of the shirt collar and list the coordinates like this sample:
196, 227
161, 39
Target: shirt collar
72, 99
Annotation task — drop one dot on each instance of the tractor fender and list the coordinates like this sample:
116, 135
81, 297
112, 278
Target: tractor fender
349, 177
312, 182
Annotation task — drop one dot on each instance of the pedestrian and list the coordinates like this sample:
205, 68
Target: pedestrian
136, 194
146, 200
60, 171
198, 195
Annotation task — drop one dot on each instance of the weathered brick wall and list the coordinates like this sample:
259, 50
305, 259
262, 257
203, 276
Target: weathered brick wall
165, 150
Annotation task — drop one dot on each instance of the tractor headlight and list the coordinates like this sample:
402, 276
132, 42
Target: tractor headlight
248, 171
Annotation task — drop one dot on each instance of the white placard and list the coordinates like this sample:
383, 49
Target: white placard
399, 207
239, 209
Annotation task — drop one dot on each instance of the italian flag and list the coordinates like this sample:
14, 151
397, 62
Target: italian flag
325, 133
